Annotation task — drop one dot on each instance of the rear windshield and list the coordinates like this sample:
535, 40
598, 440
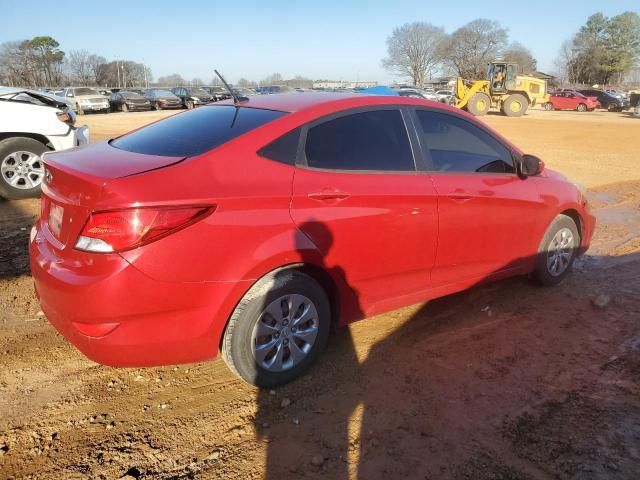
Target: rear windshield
195, 132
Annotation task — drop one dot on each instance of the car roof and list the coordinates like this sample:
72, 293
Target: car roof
297, 101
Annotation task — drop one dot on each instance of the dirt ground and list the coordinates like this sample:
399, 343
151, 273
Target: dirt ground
506, 381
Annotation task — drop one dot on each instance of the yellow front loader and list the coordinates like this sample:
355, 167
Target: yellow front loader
504, 90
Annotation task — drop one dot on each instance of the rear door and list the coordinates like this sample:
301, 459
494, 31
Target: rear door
486, 212
358, 196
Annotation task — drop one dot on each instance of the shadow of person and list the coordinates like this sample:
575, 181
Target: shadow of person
287, 418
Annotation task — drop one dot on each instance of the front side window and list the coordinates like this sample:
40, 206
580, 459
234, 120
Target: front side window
195, 132
456, 145
373, 140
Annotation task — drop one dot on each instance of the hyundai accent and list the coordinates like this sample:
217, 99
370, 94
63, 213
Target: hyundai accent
253, 228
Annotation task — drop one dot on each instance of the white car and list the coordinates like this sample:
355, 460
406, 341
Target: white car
85, 99
32, 123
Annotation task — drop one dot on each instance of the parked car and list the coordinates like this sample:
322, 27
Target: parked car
162, 99
127, 101
417, 93
192, 96
217, 92
444, 96
32, 123
86, 100
270, 89
607, 101
571, 101
288, 214
139, 91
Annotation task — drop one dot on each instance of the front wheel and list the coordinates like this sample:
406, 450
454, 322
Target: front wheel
189, 105
479, 104
581, 107
278, 329
21, 167
548, 106
156, 106
124, 107
557, 251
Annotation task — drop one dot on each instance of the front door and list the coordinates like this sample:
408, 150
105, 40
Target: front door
486, 212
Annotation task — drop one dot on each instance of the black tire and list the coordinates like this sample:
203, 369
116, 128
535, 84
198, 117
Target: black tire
542, 273
612, 107
237, 344
548, 106
156, 106
12, 145
124, 107
479, 104
515, 105
581, 107
188, 104
79, 111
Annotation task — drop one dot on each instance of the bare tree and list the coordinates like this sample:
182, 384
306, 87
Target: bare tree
196, 82
79, 67
413, 50
521, 55
172, 80
471, 47
273, 79
96, 64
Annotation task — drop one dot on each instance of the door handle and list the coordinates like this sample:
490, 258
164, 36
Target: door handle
329, 196
460, 197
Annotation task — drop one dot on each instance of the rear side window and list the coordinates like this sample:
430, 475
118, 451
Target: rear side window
374, 140
456, 145
195, 132
283, 149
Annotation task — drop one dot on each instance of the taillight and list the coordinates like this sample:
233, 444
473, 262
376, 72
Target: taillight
119, 230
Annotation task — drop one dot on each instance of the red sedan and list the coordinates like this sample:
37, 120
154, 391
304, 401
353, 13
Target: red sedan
251, 228
567, 100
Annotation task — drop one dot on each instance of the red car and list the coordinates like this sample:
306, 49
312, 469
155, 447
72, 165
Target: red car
570, 100
252, 228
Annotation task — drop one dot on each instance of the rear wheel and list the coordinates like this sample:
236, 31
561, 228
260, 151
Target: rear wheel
189, 104
515, 105
479, 104
79, 110
557, 251
156, 106
548, 106
21, 167
124, 107
278, 329
581, 107
612, 107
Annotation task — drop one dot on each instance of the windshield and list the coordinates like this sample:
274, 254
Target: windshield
198, 91
85, 91
195, 132
129, 95
162, 93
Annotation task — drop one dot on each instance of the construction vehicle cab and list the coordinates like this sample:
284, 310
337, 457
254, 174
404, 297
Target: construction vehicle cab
503, 89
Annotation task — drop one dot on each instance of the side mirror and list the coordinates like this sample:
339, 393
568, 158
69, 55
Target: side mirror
530, 165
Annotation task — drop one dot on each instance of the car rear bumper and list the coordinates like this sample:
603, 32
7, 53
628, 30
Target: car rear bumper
118, 316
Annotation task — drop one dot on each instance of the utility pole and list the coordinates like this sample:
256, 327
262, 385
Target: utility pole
118, 72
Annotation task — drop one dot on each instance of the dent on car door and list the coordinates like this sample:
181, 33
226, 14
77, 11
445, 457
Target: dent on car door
359, 198
487, 214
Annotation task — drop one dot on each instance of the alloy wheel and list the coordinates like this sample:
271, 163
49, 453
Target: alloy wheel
22, 170
285, 333
560, 252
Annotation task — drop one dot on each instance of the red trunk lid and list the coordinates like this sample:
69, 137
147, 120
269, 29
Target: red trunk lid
76, 179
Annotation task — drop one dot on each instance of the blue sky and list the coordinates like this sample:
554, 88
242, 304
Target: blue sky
317, 39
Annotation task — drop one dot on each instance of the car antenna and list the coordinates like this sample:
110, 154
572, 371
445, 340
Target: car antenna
236, 98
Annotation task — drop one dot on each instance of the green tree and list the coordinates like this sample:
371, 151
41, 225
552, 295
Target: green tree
47, 57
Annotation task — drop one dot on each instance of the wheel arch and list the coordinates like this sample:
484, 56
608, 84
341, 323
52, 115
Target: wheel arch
574, 215
316, 272
34, 136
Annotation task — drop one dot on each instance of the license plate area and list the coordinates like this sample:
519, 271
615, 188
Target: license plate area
55, 218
